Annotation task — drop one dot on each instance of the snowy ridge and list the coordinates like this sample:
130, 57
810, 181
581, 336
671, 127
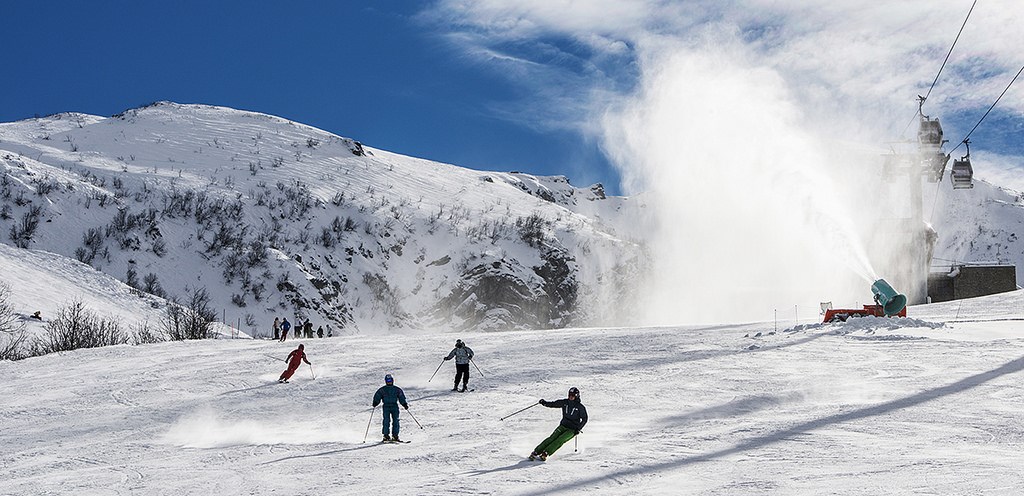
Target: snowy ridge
44, 282
275, 218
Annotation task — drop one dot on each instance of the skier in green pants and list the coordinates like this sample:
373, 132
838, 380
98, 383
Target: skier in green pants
574, 417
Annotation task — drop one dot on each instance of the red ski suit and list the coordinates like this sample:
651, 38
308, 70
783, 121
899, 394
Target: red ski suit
295, 358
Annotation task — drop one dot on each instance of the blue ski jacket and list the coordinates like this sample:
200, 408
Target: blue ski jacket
391, 395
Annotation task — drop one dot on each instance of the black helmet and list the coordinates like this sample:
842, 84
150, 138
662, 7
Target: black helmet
388, 379
574, 392
459, 343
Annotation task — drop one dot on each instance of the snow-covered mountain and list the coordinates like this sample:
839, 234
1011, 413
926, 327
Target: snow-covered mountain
980, 225
275, 218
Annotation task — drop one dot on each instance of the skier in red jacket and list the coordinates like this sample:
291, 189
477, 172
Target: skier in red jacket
295, 358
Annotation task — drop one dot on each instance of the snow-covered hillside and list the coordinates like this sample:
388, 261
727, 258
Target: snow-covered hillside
274, 218
923, 405
981, 225
277, 219
44, 282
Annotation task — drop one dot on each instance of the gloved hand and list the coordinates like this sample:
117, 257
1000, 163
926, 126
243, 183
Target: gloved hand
578, 431
542, 402
406, 407
447, 358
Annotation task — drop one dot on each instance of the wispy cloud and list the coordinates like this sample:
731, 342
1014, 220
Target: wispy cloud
754, 125
838, 55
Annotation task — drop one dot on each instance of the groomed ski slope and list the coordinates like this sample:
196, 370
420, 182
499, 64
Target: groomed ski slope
932, 404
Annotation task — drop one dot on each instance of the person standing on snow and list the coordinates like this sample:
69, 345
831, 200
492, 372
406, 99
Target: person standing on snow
391, 395
277, 328
574, 417
463, 354
285, 327
295, 358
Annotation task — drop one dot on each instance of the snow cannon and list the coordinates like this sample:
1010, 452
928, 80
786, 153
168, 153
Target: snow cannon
891, 301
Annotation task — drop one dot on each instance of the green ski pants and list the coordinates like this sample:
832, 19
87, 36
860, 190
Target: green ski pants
555, 440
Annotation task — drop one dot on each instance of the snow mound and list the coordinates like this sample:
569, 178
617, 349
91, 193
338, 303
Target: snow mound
888, 323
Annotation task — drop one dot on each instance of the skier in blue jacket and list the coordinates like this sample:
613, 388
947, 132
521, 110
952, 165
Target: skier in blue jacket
391, 395
285, 327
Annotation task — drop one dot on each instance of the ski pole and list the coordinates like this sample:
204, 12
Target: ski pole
368, 422
577, 446
275, 358
414, 418
477, 368
311, 370
435, 372
520, 411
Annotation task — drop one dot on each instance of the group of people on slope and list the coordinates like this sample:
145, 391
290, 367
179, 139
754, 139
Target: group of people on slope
574, 414
282, 327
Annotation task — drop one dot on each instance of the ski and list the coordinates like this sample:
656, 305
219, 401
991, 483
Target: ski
395, 442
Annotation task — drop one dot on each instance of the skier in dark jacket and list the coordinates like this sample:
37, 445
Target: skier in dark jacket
574, 417
463, 354
295, 358
391, 395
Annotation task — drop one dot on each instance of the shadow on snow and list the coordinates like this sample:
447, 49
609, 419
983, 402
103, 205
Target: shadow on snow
964, 384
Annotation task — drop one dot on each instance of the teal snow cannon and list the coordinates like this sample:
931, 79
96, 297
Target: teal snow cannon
891, 301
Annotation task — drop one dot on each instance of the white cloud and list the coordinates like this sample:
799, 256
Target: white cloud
876, 55
756, 125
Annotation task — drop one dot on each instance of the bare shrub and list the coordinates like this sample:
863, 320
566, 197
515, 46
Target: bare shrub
532, 229
12, 345
8, 319
193, 320
12, 330
143, 333
76, 327
152, 286
93, 241
21, 233
131, 278
159, 247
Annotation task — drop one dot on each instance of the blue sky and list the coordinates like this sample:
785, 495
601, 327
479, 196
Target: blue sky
539, 86
373, 71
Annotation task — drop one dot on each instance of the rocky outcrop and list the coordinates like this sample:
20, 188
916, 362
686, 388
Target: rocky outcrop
495, 294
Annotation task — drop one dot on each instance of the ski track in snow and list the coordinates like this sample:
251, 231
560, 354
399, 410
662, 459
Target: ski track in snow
932, 407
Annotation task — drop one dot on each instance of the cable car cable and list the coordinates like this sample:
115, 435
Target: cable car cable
950, 52
989, 110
